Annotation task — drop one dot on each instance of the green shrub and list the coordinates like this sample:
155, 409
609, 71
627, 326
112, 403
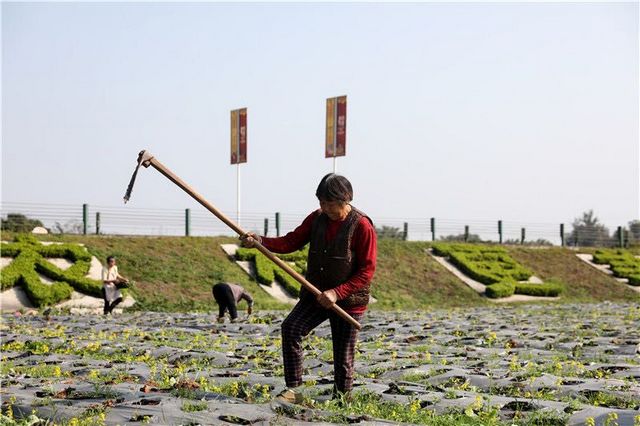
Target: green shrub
264, 266
302, 266
48, 269
498, 290
290, 284
80, 268
547, 289
9, 250
494, 267
605, 256
246, 254
22, 265
485, 264
74, 276
300, 255
623, 263
42, 294
22, 272
26, 239
267, 272
621, 271
70, 252
297, 256
30, 259
264, 269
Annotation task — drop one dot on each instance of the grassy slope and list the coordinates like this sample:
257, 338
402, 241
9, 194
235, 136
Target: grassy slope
176, 273
583, 283
408, 278
172, 273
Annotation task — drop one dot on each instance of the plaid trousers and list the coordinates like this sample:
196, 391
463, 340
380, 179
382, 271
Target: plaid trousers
305, 316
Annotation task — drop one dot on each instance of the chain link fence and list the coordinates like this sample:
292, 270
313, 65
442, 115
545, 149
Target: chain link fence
121, 220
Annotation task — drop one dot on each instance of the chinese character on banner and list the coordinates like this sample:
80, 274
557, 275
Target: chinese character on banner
336, 134
239, 136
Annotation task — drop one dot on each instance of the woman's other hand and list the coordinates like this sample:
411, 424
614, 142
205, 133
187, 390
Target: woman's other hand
326, 299
248, 240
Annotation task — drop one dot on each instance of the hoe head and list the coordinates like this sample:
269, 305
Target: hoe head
144, 159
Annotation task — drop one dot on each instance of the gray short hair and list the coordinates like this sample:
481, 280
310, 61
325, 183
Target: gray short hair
334, 187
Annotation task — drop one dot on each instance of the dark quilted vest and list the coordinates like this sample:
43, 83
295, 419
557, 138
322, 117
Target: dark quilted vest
331, 264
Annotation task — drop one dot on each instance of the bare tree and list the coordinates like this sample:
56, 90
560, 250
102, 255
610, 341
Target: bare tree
70, 227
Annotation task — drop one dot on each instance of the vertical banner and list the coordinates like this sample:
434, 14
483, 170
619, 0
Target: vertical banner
234, 137
242, 130
330, 139
341, 126
239, 136
336, 129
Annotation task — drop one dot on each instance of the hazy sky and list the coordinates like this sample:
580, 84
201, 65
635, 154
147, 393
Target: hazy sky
524, 112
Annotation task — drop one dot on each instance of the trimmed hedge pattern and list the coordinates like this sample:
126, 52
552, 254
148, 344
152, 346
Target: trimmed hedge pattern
267, 272
494, 267
498, 290
547, 289
22, 272
487, 265
30, 259
622, 262
288, 282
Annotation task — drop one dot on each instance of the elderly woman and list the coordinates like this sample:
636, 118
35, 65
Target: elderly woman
341, 263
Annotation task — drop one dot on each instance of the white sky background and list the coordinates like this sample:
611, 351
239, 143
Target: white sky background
524, 112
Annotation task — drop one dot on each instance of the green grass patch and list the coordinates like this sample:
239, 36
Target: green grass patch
177, 273
192, 407
605, 399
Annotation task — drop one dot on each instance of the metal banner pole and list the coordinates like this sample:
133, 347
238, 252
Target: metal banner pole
238, 196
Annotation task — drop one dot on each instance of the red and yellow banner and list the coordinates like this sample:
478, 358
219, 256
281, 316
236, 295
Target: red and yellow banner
336, 130
239, 136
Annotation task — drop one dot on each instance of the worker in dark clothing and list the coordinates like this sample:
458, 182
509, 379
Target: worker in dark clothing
227, 296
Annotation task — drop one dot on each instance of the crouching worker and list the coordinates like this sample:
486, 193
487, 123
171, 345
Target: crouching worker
341, 264
227, 296
111, 279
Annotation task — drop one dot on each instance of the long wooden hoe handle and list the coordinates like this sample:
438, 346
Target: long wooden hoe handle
146, 159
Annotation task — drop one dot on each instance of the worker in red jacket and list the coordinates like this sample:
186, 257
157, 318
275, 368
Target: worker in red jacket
341, 264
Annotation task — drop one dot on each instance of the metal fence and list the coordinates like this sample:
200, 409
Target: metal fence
121, 220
